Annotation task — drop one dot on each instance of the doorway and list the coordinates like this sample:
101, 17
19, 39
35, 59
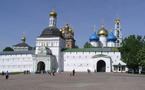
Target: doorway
40, 66
101, 66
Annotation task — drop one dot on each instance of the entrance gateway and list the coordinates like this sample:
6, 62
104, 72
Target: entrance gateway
101, 66
40, 66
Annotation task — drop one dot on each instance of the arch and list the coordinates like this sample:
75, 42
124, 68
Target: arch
117, 41
101, 66
40, 66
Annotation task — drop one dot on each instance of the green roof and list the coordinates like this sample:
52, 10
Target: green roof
101, 55
91, 50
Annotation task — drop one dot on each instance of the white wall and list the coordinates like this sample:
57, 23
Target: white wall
16, 62
81, 61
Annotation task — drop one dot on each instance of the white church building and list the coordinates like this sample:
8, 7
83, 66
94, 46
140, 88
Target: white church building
55, 51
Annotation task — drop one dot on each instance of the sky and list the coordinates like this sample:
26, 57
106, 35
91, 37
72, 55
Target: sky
32, 17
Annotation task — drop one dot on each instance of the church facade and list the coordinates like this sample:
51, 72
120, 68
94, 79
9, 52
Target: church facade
55, 51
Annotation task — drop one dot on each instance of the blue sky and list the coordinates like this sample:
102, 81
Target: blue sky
32, 16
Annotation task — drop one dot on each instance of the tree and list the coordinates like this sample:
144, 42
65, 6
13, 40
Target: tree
88, 45
76, 46
34, 48
130, 46
8, 49
141, 57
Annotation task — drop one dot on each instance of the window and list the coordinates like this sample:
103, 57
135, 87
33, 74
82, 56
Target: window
123, 68
117, 25
117, 41
117, 33
115, 68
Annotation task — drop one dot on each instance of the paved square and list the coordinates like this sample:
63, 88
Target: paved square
81, 81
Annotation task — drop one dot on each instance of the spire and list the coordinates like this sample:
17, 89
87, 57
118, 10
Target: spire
117, 20
111, 28
102, 23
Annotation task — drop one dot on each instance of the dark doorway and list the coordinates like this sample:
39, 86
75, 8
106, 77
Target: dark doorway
40, 66
101, 66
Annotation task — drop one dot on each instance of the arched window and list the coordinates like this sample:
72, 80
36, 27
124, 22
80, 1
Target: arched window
117, 25
117, 41
117, 33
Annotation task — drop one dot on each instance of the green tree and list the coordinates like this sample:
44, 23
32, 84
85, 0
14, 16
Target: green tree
88, 45
34, 48
76, 46
130, 46
8, 49
141, 57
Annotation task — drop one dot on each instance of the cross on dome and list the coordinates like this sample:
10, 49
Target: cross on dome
102, 22
94, 28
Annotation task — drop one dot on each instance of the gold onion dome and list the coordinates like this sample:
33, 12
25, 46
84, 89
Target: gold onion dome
61, 29
23, 39
117, 20
66, 27
102, 32
53, 14
70, 29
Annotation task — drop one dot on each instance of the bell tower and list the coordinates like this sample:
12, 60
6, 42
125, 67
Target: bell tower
118, 32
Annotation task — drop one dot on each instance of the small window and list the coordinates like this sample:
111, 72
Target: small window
117, 25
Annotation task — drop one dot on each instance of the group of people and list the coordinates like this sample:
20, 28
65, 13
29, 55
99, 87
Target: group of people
72, 73
7, 74
27, 72
46, 72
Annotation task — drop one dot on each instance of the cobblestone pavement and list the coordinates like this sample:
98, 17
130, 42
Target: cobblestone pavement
81, 81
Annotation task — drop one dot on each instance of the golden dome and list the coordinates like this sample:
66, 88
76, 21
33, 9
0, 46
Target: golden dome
117, 20
23, 39
72, 32
102, 32
70, 29
53, 14
66, 27
61, 29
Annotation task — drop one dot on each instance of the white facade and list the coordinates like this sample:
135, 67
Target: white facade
16, 62
95, 43
82, 61
103, 41
55, 44
111, 44
50, 55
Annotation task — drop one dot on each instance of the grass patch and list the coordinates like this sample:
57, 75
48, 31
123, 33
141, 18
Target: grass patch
12, 73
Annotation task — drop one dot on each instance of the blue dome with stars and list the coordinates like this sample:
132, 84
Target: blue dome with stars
111, 37
94, 37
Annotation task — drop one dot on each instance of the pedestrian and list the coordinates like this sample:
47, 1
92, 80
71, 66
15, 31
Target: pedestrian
88, 71
70, 73
73, 72
53, 73
7, 75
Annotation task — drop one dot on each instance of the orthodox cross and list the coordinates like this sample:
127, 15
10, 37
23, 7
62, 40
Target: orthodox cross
23, 34
94, 28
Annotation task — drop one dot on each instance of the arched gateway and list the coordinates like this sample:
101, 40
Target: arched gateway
40, 66
101, 66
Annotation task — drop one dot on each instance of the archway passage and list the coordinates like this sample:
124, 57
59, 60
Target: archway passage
40, 66
101, 66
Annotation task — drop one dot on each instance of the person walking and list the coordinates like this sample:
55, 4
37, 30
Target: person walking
73, 72
7, 75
